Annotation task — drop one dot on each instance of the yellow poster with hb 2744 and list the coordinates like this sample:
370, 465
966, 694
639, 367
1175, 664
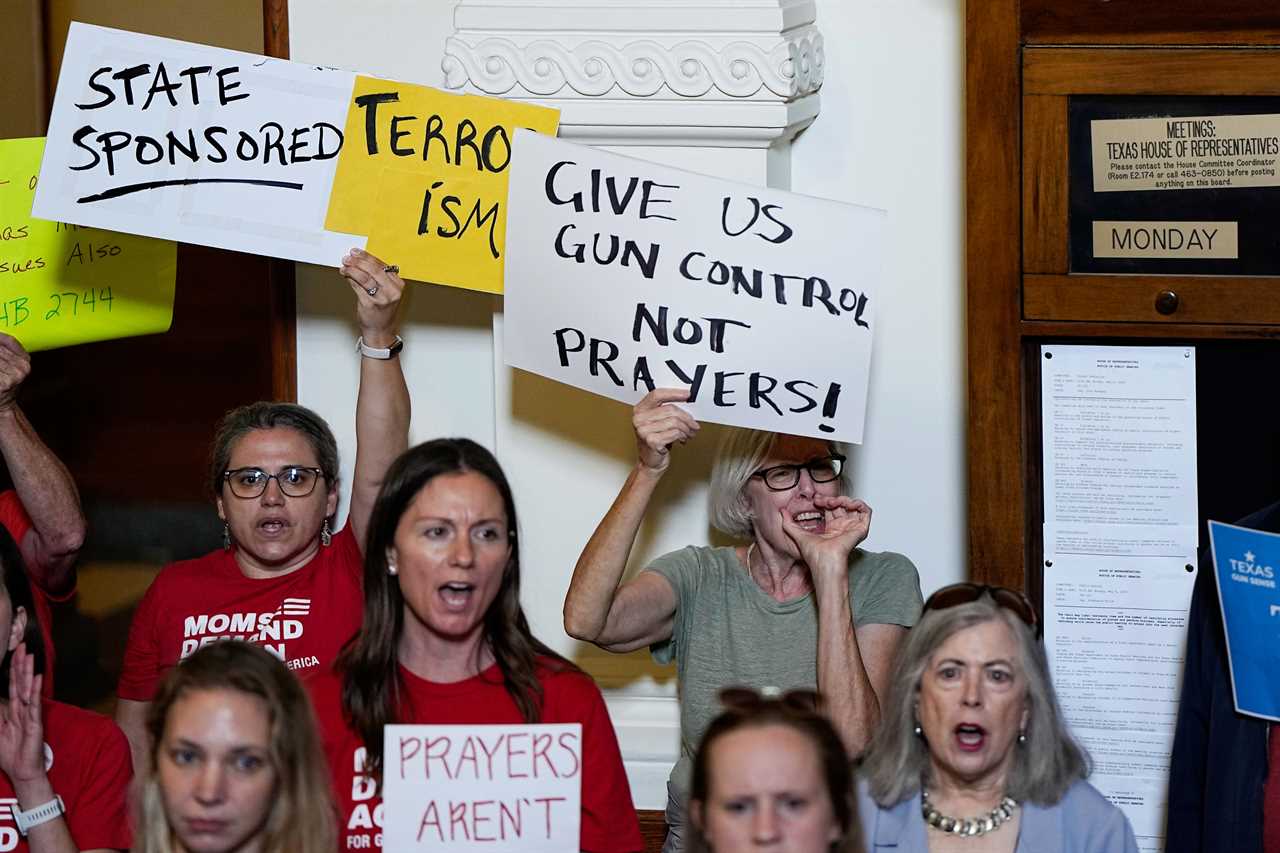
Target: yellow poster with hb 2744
63, 284
423, 174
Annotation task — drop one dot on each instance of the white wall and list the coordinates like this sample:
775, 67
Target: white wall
889, 134
448, 355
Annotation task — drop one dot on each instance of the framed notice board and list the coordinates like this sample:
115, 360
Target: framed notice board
1143, 144
1118, 191
1174, 185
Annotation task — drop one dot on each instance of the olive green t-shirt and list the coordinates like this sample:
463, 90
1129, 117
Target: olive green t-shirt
729, 632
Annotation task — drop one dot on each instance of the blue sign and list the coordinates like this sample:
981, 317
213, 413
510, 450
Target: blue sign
1246, 563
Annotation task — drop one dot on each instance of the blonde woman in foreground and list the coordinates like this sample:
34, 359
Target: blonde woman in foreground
236, 764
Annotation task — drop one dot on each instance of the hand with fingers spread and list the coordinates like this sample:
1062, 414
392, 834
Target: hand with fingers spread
378, 288
21, 723
659, 424
845, 523
15, 366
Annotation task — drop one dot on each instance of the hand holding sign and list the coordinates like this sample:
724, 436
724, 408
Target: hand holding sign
378, 289
659, 424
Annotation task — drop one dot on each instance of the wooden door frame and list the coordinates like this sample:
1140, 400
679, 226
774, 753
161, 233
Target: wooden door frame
993, 268
281, 280
1043, 47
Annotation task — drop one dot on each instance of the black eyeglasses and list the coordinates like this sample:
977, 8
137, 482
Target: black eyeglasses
779, 478
747, 699
964, 593
294, 481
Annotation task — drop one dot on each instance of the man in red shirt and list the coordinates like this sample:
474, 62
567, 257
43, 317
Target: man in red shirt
42, 510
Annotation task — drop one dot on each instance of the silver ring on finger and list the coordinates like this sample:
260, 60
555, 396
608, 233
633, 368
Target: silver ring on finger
372, 291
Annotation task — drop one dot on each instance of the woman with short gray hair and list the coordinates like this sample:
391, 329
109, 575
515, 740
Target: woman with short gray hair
973, 752
796, 605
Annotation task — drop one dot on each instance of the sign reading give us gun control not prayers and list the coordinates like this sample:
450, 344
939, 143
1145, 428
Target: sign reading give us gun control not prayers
461, 789
623, 276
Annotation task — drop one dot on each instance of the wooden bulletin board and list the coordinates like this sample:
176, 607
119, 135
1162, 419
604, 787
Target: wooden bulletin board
1027, 64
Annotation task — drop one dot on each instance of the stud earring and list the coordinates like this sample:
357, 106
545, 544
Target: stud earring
391, 569
1022, 736
325, 536
226, 536
919, 732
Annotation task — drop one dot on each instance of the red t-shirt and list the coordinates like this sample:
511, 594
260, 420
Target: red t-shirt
87, 758
609, 823
15, 519
303, 617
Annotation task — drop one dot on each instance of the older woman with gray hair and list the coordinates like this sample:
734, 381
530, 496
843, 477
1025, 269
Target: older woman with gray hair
973, 753
796, 605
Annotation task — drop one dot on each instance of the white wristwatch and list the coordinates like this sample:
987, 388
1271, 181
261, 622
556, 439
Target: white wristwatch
382, 353
28, 820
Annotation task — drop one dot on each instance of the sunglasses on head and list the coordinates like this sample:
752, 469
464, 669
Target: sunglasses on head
746, 699
965, 593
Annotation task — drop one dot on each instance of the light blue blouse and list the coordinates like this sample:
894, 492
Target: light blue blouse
1082, 822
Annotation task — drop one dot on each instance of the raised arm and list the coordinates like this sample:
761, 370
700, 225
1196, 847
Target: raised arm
641, 611
382, 406
43, 483
853, 664
22, 754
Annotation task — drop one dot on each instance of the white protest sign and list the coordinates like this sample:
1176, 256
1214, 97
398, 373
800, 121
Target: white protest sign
482, 788
194, 143
623, 275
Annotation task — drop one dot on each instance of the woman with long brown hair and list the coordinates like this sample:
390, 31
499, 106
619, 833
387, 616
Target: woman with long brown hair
445, 641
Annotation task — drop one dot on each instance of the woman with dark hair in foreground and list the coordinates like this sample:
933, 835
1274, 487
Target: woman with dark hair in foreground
285, 577
445, 641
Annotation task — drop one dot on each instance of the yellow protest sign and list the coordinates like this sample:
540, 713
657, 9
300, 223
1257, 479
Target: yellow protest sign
62, 284
400, 198
423, 173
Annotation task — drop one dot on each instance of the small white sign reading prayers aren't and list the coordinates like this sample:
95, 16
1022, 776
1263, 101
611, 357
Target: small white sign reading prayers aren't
482, 788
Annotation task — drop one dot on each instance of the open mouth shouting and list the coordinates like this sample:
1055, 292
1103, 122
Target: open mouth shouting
456, 595
273, 526
970, 737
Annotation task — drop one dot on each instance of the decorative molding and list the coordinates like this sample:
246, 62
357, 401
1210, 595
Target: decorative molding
721, 16
792, 68
705, 73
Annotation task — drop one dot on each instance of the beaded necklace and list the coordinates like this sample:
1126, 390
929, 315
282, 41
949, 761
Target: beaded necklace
971, 826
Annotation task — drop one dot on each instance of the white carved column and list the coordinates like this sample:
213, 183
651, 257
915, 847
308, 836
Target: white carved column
647, 72
714, 86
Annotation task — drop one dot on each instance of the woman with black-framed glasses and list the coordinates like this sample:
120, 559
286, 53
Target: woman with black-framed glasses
797, 604
973, 753
284, 578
